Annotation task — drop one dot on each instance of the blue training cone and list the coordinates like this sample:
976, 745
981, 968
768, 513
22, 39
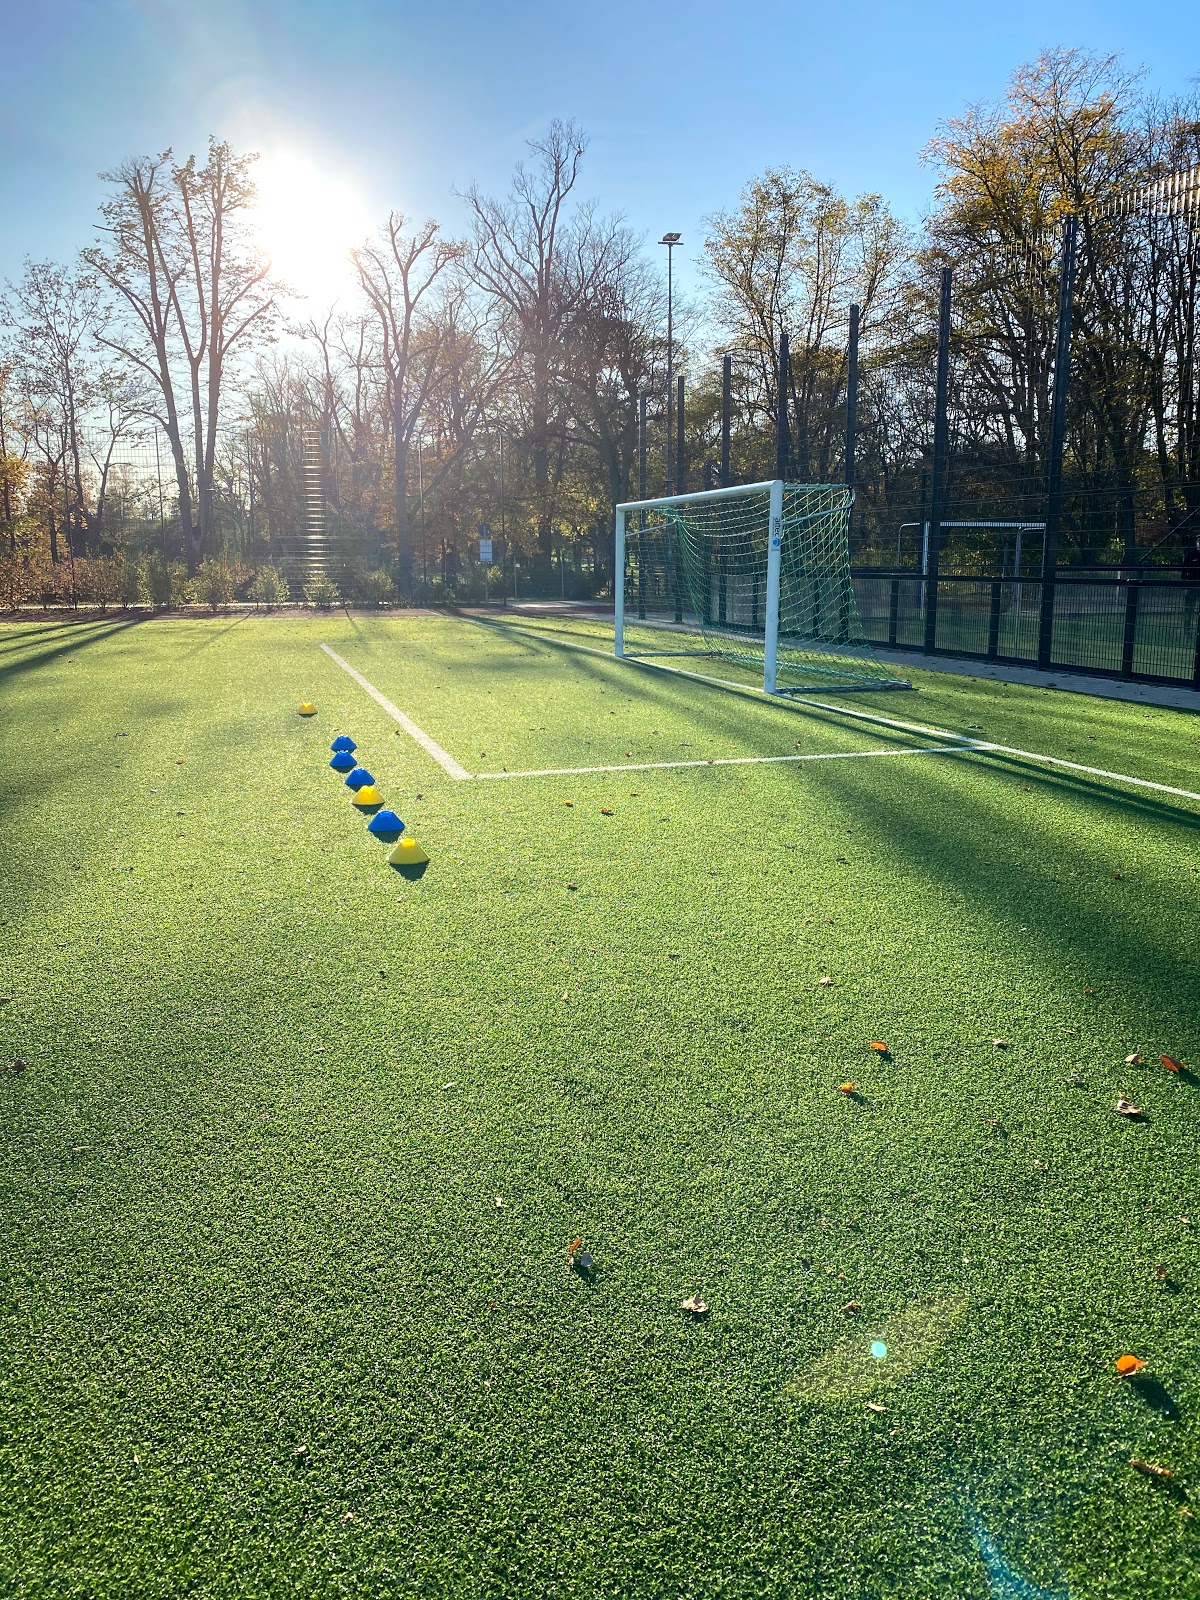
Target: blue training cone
385, 822
343, 742
343, 761
359, 778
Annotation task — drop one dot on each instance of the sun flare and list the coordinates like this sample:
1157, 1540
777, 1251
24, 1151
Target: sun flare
308, 219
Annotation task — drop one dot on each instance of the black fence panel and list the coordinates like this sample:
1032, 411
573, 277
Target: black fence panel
1113, 626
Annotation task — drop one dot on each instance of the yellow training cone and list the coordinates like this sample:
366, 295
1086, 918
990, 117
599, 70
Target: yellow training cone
406, 853
368, 795
307, 709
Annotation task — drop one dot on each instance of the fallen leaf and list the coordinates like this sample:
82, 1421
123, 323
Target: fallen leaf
1150, 1468
1118, 876
999, 1044
1172, 1065
568, 802
575, 1244
1128, 1365
1133, 1059
347, 1516
606, 811
451, 1085
824, 982
19, 1064
572, 886
873, 1405
1075, 1081
1089, 990
851, 1307
878, 1044
846, 1088
1126, 1108
499, 1202
1162, 1273
694, 1306
566, 994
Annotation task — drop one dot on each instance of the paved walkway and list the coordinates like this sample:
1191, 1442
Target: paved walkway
1148, 694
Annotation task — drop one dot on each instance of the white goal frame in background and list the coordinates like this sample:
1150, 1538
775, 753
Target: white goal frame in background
774, 562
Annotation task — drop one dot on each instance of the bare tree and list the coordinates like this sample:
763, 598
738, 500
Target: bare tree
401, 274
191, 291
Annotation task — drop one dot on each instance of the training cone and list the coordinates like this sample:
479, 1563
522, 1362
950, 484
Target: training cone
343, 742
368, 795
406, 853
359, 778
385, 822
307, 709
343, 762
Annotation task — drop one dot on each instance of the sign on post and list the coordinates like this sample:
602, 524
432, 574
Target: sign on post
485, 544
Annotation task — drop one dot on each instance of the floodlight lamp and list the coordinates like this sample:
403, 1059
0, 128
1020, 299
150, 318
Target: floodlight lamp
670, 238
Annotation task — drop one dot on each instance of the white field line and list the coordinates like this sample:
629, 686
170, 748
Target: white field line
726, 761
893, 722
444, 760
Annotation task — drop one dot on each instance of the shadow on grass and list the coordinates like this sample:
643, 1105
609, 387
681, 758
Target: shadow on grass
88, 633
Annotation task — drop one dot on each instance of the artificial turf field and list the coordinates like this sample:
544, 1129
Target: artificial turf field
291, 1174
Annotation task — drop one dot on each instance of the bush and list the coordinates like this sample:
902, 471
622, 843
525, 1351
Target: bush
213, 584
377, 589
269, 587
322, 592
133, 583
98, 581
168, 582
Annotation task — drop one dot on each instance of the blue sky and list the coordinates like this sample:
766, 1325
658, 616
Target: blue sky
402, 104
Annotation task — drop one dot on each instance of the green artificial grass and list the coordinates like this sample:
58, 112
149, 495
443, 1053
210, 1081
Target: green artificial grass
291, 1174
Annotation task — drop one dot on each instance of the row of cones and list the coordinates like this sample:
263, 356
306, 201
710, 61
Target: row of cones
384, 823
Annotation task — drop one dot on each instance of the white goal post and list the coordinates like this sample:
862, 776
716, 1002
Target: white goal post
758, 573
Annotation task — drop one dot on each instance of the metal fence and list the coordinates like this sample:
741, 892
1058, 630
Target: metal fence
1111, 625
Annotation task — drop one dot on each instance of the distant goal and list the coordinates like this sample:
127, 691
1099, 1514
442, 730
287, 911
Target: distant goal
758, 575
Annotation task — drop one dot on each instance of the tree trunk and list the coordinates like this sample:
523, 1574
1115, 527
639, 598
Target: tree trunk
404, 547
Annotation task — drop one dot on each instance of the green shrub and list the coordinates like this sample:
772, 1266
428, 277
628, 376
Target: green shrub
168, 583
269, 587
322, 592
377, 588
213, 584
98, 581
133, 583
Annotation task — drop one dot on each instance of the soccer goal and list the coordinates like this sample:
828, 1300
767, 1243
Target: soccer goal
758, 575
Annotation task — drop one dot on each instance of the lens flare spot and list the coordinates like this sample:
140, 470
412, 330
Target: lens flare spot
878, 1349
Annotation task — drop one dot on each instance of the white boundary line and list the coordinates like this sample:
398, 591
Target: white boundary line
727, 761
889, 722
430, 746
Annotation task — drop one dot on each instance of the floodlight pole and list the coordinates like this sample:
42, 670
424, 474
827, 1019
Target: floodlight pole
941, 443
726, 409
641, 520
852, 399
1058, 435
670, 240
783, 443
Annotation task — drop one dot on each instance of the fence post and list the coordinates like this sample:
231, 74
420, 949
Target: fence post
894, 611
993, 649
1129, 634
726, 415
941, 440
1058, 434
641, 514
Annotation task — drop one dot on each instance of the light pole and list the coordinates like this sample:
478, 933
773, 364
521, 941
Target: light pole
670, 240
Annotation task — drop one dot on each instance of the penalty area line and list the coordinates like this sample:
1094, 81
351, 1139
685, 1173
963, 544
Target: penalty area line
726, 761
430, 746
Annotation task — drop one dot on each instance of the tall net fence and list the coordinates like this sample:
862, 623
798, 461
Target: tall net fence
697, 582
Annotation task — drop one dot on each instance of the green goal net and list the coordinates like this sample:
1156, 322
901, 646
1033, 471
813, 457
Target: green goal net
758, 575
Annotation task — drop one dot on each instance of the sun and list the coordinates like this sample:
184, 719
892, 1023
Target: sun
307, 220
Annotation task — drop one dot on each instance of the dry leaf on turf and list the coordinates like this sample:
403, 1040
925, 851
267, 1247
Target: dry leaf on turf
1133, 1059
568, 802
999, 1044
499, 1202
606, 811
846, 1088
1171, 1064
824, 982
1128, 1365
851, 1308
694, 1306
873, 1405
1162, 1273
878, 1044
1150, 1468
1126, 1108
